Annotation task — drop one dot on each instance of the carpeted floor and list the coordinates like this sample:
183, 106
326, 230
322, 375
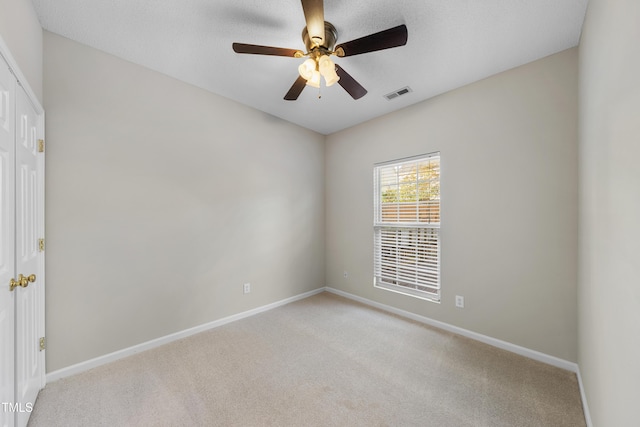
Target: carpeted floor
322, 361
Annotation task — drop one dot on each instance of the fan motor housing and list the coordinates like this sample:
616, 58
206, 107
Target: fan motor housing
330, 37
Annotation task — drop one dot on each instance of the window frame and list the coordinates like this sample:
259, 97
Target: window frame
411, 232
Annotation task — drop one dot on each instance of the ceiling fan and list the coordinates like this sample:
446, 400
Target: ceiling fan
320, 39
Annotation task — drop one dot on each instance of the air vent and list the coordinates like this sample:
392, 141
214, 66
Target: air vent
398, 93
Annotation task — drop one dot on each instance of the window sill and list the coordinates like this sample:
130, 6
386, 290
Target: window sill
408, 292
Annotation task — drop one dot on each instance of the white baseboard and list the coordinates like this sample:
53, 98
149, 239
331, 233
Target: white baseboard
111, 357
583, 395
523, 351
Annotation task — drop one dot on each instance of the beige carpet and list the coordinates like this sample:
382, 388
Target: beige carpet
322, 361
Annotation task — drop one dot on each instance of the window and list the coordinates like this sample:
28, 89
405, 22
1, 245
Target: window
407, 226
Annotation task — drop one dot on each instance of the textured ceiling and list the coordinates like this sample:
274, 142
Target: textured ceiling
451, 43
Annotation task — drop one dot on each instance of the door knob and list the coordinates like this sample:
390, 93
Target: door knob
22, 281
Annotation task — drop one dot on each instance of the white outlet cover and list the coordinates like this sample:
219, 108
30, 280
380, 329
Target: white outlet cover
459, 301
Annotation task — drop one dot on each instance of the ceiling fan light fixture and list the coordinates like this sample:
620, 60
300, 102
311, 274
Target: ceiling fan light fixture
324, 61
314, 81
319, 37
307, 68
328, 70
331, 79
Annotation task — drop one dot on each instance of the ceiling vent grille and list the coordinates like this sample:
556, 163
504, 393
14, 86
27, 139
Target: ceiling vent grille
398, 93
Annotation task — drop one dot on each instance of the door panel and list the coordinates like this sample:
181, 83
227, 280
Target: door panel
7, 239
29, 370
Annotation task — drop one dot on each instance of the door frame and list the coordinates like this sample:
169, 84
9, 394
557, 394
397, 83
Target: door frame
8, 267
5, 53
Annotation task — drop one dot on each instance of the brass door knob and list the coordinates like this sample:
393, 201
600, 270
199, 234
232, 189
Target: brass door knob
22, 281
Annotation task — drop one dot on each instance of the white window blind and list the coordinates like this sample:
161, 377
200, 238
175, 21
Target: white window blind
407, 226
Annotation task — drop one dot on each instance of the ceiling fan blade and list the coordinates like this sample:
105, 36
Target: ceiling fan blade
349, 84
296, 89
393, 37
314, 15
265, 50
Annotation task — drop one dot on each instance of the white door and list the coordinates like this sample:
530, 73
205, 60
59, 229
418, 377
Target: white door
29, 312
7, 239
22, 372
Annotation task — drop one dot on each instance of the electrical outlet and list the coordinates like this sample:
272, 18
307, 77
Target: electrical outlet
459, 301
345, 274
246, 288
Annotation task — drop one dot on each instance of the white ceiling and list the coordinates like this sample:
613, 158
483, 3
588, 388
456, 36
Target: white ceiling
451, 43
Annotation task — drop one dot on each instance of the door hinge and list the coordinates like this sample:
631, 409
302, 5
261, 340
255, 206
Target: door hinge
41, 146
41, 245
42, 345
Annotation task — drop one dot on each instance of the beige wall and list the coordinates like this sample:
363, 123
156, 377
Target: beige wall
145, 240
509, 203
162, 200
609, 290
21, 31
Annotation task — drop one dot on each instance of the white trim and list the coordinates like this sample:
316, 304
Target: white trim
111, 357
41, 255
408, 159
22, 80
583, 395
407, 291
14, 68
532, 354
513, 348
523, 351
